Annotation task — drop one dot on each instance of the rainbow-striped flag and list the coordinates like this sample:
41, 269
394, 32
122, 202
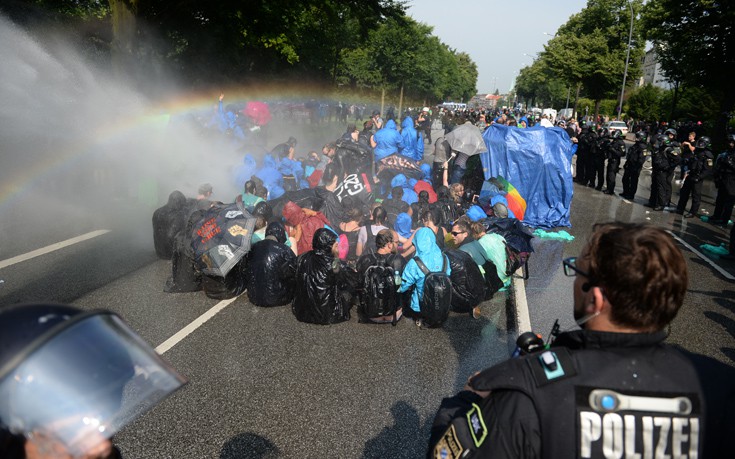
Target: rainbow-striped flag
516, 203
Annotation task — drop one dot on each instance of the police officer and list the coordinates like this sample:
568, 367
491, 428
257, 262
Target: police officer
611, 389
665, 161
615, 151
584, 154
724, 176
598, 157
699, 165
637, 155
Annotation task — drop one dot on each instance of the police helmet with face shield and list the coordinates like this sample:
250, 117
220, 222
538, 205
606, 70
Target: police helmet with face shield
704, 142
640, 136
77, 377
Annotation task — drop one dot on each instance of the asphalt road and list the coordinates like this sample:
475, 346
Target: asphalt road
262, 384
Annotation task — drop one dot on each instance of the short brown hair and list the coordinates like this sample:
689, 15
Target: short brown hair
642, 272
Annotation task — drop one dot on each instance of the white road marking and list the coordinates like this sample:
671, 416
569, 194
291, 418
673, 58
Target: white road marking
523, 318
51, 248
198, 322
726, 274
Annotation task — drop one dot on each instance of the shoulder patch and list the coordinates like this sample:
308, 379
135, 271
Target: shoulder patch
552, 365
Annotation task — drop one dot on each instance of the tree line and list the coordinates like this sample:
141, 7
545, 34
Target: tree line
367, 46
695, 44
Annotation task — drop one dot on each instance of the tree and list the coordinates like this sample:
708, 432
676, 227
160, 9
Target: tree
695, 40
645, 103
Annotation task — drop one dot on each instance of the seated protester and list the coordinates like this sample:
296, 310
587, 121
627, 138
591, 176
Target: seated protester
249, 196
395, 205
430, 255
351, 230
366, 236
271, 177
270, 269
409, 196
388, 141
289, 167
310, 165
264, 214
418, 208
468, 284
456, 191
475, 213
332, 207
245, 171
378, 270
429, 220
465, 241
493, 245
185, 276
168, 221
405, 235
425, 184
306, 222
447, 211
324, 286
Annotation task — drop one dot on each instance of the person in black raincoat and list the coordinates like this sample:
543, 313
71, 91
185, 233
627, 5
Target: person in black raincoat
324, 285
168, 221
468, 283
270, 269
637, 155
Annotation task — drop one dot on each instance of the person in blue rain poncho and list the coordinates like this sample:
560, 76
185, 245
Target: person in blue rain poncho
425, 242
413, 142
244, 171
272, 179
409, 195
388, 141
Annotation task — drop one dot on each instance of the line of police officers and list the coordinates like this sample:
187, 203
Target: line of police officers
696, 164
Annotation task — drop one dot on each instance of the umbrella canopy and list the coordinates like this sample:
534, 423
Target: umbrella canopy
221, 238
466, 139
515, 201
259, 112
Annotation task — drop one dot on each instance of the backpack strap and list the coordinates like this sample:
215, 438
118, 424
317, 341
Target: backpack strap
421, 266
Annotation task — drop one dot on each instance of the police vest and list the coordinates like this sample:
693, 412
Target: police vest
633, 401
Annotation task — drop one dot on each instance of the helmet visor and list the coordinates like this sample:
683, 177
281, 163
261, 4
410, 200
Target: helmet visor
84, 383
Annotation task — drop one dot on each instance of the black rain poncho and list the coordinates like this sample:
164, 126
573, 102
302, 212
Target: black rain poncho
168, 221
324, 285
468, 284
271, 266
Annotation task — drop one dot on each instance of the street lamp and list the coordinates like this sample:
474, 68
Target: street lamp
627, 59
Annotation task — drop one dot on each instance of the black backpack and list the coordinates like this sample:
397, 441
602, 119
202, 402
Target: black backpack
370, 240
437, 297
379, 296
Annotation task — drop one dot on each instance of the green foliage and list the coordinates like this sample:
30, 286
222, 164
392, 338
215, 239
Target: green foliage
645, 103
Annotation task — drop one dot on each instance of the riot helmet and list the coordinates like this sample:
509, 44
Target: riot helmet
670, 131
704, 142
616, 134
640, 136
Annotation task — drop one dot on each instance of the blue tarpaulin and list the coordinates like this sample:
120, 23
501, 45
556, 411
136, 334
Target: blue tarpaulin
537, 161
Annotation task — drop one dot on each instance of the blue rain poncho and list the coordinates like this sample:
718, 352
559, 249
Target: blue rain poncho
425, 242
388, 141
413, 143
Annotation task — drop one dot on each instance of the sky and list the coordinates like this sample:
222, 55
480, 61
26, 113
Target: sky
497, 34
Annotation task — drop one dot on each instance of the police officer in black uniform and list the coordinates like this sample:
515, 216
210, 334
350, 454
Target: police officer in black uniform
637, 155
598, 157
611, 389
584, 154
615, 151
699, 166
665, 161
725, 182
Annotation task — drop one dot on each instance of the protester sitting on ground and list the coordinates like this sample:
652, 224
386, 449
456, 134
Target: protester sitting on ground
429, 220
271, 268
614, 384
404, 231
204, 195
418, 208
324, 286
331, 208
263, 212
494, 247
427, 250
249, 197
291, 169
378, 270
409, 196
395, 205
366, 237
305, 222
425, 183
468, 283
168, 221
351, 231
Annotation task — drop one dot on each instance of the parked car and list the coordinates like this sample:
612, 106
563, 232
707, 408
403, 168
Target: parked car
616, 126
